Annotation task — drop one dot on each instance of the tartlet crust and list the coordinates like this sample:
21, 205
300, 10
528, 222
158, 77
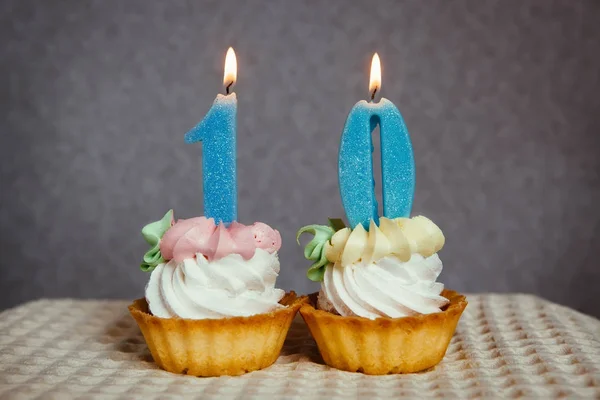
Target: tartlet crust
215, 347
384, 345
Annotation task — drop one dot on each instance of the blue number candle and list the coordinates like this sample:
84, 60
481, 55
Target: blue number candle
355, 163
217, 132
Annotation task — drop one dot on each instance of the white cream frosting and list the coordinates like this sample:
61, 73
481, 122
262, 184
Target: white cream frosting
388, 287
231, 286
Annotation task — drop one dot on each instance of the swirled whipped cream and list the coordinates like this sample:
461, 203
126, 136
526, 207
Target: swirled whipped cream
388, 271
196, 288
386, 288
203, 270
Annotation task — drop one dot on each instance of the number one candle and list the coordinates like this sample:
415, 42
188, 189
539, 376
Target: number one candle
355, 163
217, 132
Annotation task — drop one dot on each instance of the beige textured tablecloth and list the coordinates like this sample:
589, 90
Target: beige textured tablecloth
505, 346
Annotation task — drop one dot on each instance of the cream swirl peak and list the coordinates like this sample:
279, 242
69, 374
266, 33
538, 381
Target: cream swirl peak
204, 270
196, 288
388, 271
185, 238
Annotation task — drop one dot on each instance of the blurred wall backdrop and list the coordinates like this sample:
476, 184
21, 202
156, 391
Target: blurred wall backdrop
501, 99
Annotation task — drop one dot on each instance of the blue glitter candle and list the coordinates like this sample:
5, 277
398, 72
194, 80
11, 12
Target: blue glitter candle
217, 132
355, 163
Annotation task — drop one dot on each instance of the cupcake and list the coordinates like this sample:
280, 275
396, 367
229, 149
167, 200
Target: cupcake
211, 307
380, 309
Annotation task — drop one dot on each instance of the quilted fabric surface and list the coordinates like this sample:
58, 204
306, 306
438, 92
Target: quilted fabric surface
505, 345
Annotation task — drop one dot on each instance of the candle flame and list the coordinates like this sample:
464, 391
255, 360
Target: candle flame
230, 75
375, 80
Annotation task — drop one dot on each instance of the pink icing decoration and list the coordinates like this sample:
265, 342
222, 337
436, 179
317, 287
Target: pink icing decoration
220, 244
187, 237
266, 238
244, 240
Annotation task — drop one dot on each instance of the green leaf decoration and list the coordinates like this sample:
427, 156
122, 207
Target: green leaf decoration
316, 274
315, 249
337, 224
152, 233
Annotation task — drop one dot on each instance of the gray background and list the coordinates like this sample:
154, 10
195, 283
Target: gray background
501, 99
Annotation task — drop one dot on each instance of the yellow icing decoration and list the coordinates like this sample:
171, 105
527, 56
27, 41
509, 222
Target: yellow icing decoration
398, 243
435, 239
355, 245
416, 235
337, 243
400, 237
378, 245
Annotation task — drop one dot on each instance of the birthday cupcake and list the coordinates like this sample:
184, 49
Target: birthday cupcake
380, 309
211, 307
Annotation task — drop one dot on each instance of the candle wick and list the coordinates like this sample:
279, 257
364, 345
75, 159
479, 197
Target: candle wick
373, 94
227, 87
